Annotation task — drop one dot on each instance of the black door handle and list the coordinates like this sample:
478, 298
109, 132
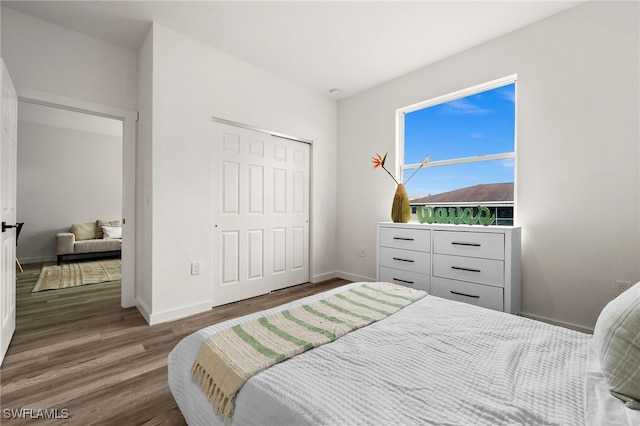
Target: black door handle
5, 226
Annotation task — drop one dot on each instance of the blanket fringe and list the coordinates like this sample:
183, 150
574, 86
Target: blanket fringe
222, 404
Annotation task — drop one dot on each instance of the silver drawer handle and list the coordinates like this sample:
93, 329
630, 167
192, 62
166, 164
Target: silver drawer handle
459, 268
460, 243
404, 260
403, 281
403, 239
462, 294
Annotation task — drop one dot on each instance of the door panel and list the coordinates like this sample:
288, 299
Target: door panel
230, 188
8, 156
256, 189
298, 192
256, 254
279, 191
260, 195
298, 248
279, 250
230, 258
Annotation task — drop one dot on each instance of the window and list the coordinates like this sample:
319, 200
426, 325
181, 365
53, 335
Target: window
470, 137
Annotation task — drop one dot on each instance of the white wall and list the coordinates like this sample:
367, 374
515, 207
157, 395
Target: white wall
144, 213
47, 57
190, 83
65, 175
578, 184
63, 66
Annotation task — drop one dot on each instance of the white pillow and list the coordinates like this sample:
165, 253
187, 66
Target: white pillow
101, 223
617, 341
112, 232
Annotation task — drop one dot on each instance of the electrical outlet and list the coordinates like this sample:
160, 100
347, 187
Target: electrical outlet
622, 286
195, 268
363, 252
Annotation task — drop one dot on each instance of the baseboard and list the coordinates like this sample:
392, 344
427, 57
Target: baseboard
172, 315
339, 274
40, 259
353, 277
323, 277
558, 323
144, 310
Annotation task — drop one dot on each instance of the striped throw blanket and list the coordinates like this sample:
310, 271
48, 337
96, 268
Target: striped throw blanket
229, 358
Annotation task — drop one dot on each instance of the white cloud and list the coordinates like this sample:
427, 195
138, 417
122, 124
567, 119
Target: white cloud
464, 106
508, 94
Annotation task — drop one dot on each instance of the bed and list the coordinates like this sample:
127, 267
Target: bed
434, 362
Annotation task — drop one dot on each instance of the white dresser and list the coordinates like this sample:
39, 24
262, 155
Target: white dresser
473, 264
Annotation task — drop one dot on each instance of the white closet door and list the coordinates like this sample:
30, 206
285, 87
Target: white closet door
8, 189
290, 213
260, 213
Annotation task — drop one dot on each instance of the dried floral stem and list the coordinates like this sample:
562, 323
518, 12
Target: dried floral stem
414, 173
378, 161
394, 179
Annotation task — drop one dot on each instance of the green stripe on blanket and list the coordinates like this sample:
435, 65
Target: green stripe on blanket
227, 359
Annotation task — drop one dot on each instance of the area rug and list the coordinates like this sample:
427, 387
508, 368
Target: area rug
76, 274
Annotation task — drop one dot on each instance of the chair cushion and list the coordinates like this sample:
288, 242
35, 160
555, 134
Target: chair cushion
84, 230
91, 246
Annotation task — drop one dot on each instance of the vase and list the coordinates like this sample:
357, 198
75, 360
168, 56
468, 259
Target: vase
401, 210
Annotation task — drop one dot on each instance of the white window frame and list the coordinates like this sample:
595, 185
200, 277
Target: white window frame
400, 114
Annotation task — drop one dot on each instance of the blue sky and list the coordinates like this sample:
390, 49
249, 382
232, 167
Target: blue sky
478, 124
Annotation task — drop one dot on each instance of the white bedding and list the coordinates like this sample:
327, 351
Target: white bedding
436, 362
601, 407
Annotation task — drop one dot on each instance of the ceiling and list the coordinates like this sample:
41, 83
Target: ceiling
322, 45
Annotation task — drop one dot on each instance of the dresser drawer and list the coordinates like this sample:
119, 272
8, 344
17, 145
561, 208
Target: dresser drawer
482, 271
472, 244
475, 294
406, 238
406, 278
407, 260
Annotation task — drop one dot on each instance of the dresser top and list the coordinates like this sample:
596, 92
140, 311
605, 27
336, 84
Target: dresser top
450, 227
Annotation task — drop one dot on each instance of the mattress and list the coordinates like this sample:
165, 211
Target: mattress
435, 362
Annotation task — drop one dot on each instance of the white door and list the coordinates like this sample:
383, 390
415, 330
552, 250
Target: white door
260, 197
8, 155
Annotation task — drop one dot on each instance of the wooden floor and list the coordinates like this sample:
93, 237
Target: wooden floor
78, 350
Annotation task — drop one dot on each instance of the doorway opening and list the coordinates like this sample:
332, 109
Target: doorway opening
91, 112
69, 172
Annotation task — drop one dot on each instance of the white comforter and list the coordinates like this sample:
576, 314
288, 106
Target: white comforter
436, 362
